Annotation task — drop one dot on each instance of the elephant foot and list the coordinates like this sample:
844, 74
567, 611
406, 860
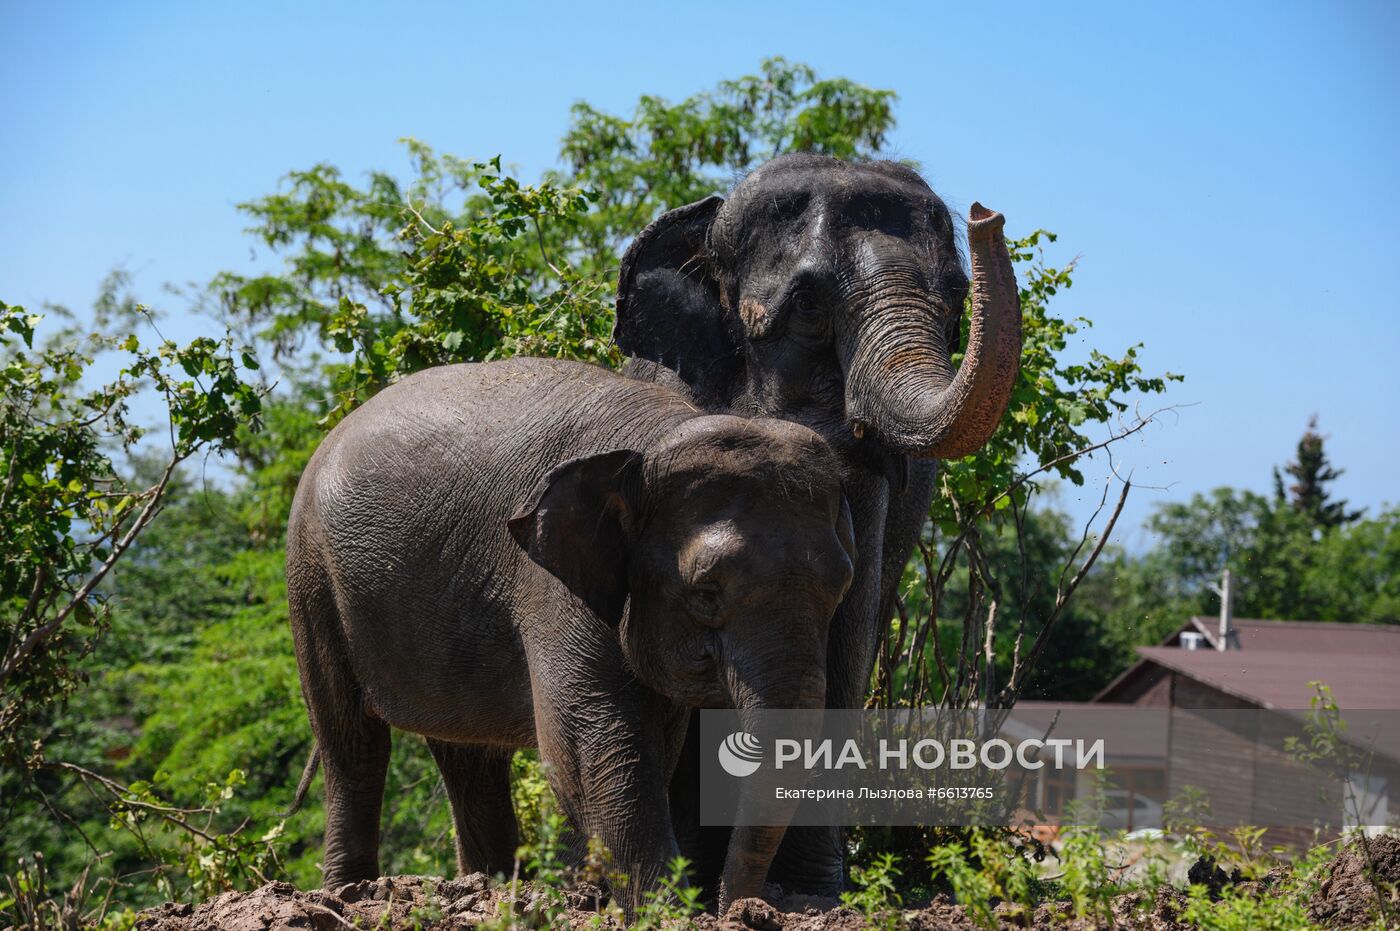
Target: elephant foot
820, 880
811, 861
348, 871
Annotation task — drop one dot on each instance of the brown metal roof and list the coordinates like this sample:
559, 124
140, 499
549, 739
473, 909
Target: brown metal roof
1300, 636
1279, 678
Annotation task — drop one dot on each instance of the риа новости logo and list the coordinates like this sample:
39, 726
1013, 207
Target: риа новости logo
740, 754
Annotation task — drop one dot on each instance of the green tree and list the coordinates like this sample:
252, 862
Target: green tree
1267, 547
72, 514
1025, 559
1355, 572
463, 262
1295, 556
666, 155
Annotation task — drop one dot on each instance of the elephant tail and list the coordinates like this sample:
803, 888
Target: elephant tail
313, 762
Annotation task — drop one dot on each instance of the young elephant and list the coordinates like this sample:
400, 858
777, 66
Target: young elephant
542, 553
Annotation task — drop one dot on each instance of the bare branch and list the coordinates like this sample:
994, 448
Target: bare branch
176, 816
1013, 689
539, 237
1082, 451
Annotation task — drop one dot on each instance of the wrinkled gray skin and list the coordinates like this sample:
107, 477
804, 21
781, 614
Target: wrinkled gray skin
543, 553
831, 294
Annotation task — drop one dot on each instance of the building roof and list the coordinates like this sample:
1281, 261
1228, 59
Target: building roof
1271, 663
1297, 636
1279, 679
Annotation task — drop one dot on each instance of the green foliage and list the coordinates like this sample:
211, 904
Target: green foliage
1325, 735
1184, 817
998, 885
667, 155
1353, 573
1286, 569
987, 868
270, 460
1056, 404
974, 889
874, 892
543, 860
70, 517
673, 903
1236, 910
1284, 905
1086, 878
428, 914
193, 858
530, 793
468, 293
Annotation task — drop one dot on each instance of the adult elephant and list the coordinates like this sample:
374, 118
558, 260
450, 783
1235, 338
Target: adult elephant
831, 294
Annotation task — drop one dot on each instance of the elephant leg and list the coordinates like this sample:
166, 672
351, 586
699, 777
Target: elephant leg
478, 785
704, 847
857, 624
355, 765
354, 749
352, 743
607, 761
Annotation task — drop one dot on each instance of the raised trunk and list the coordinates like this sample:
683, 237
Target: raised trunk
900, 385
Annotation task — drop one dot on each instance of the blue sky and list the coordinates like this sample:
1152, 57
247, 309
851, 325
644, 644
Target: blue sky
1229, 174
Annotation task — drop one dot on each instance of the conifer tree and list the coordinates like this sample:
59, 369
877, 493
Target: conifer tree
1311, 473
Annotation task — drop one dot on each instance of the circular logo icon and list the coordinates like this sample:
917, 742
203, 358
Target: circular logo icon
740, 754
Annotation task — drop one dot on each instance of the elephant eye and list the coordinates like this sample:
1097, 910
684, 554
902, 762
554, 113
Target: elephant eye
807, 318
703, 601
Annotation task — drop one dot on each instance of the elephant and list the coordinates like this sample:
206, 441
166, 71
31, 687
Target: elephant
537, 552
831, 294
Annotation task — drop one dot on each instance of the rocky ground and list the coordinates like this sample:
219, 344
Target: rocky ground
1345, 899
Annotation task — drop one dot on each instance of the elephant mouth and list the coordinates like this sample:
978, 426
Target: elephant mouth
707, 685
692, 679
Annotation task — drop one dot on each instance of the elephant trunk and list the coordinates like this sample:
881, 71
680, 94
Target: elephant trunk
900, 384
762, 819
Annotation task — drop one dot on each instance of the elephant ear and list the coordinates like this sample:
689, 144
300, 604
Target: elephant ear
578, 523
668, 303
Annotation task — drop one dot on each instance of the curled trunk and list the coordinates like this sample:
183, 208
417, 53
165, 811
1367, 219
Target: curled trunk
900, 384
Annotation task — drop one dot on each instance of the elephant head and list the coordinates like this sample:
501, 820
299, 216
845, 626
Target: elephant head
721, 554
830, 293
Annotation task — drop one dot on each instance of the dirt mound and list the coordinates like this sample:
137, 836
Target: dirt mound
405, 902
1345, 898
